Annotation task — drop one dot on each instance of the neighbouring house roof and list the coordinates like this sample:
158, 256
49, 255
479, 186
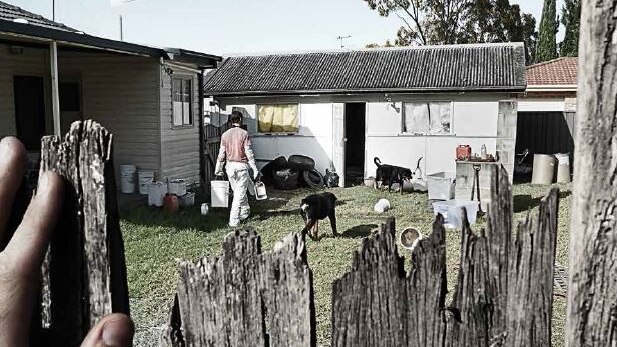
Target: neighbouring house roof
18, 25
478, 67
12, 13
556, 72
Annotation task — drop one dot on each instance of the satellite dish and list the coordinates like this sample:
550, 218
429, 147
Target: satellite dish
410, 237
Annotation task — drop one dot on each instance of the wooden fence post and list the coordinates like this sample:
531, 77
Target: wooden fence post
84, 274
592, 292
245, 298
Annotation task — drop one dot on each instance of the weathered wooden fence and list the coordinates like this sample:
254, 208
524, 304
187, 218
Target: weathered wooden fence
246, 298
84, 272
211, 147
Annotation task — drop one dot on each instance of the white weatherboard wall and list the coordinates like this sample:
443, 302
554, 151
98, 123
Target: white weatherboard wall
179, 145
541, 105
475, 122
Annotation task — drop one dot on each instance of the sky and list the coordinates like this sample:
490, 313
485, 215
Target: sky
228, 27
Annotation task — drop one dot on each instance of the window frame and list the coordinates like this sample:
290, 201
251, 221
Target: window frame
287, 133
404, 115
183, 79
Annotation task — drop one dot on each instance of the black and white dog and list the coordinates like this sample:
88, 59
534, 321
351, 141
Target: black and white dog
316, 207
390, 174
331, 179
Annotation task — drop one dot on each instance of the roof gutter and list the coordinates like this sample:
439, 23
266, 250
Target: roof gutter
552, 88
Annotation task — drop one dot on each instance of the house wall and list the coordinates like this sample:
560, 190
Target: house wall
33, 62
121, 93
180, 148
476, 121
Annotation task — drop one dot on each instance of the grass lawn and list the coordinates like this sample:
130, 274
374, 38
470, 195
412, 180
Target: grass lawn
154, 240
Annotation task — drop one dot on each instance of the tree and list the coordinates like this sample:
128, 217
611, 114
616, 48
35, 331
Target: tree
459, 21
498, 21
549, 24
425, 21
571, 19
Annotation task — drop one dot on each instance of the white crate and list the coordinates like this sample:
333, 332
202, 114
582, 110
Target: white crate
451, 212
440, 186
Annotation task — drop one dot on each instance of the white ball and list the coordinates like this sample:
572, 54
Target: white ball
382, 206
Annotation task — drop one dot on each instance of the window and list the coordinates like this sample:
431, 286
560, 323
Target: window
181, 90
427, 118
281, 118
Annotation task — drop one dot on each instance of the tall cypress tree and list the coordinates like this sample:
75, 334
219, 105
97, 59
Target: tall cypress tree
571, 19
547, 43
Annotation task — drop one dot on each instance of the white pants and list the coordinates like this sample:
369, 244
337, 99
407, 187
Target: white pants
238, 174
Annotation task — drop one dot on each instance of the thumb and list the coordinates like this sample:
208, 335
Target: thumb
114, 330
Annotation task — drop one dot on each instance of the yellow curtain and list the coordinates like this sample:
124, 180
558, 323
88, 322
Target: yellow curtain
277, 118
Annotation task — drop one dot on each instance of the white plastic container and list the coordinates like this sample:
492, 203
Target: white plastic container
543, 169
451, 212
156, 193
440, 186
127, 179
144, 178
219, 193
177, 187
260, 191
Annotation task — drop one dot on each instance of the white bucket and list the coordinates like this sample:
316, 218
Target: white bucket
563, 167
219, 193
177, 187
127, 179
156, 193
145, 178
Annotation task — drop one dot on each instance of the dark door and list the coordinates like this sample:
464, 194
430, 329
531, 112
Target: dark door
29, 110
355, 124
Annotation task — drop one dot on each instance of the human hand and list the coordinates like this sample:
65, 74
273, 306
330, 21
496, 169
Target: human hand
20, 261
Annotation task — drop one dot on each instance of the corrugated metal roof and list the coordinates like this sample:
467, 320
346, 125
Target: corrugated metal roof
416, 69
560, 71
12, 13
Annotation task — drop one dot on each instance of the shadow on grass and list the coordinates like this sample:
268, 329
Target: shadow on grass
358, 231
526, 202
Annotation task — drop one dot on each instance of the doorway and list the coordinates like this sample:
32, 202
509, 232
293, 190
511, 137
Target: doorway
355, 139
70, 104
29, 93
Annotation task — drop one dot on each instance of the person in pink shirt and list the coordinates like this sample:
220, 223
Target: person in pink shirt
237, 157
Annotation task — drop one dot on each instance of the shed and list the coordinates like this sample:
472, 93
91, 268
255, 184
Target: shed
344, 108
546, 115
148, 97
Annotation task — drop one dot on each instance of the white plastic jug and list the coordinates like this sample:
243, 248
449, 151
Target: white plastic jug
260, 191
219, 193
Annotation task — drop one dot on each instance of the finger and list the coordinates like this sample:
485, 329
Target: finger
27, 247
12, 168
114, 330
